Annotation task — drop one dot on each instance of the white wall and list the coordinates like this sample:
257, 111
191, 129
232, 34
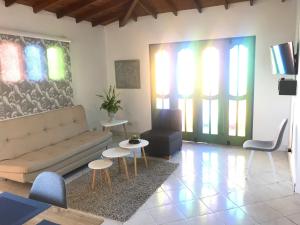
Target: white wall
295, 155
87, 50
271, 21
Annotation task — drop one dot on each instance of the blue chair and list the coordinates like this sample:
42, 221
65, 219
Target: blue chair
49, 187
265, 146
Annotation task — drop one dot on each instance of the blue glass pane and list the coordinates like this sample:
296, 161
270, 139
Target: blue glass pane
35, 63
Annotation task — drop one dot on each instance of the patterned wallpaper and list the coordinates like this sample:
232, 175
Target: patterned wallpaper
27, 97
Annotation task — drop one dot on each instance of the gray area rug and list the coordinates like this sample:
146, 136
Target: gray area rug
126, 197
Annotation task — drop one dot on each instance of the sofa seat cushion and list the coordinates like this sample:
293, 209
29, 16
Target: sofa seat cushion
162, 135
53, 154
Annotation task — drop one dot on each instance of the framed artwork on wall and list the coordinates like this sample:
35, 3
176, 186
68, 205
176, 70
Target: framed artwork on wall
128, 74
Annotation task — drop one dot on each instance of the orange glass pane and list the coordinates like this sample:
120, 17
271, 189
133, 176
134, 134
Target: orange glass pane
162, 72
186, 72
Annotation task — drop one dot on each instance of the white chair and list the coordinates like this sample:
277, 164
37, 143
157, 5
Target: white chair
265, 146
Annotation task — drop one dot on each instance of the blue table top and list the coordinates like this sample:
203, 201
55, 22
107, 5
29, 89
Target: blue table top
16, 210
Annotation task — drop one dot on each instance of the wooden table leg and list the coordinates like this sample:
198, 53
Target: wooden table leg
108, 179
125, 131
125, 167
144, 156
93, 179
135, 164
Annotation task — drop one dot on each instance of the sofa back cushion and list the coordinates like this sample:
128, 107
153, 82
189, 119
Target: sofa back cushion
29, 133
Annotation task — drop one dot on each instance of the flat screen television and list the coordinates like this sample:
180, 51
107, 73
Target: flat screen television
283, 59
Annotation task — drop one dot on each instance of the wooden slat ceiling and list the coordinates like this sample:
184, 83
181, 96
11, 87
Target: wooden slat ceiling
103, 12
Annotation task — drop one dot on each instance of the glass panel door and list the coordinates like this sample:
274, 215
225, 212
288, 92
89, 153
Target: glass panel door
240, 91
211, 82
186, 75
210, 103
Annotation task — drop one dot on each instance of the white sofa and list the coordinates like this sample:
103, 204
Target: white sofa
56, 141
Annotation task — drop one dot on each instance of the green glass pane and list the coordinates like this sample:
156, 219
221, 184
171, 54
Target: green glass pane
234, 65
242, 118
232, 117
56, 63
243, 70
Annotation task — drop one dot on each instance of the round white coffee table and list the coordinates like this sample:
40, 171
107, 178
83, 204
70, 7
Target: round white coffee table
102, 165
125, 144
118, 153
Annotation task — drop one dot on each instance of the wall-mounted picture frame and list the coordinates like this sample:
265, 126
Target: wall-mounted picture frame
128, 74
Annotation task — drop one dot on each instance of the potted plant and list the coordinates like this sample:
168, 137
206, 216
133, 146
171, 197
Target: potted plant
111, 102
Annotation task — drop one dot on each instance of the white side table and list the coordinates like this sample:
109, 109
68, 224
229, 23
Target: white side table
108, 124
118, 153
125, 144
102, 165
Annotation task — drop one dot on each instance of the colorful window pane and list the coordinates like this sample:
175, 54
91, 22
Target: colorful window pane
242, 112
189, 115
162, 103
205, 116
187, 112
11, 62
232, 117
211, 71
56, 63
162, 72
186, 72
35, 64
238, 70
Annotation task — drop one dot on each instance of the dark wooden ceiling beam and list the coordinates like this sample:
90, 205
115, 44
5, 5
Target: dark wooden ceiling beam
173, 7
148, 8
128, 13
134, 16
106, 17
76, 6
9, 2
43, 5
198, 5
226, 4
102, 8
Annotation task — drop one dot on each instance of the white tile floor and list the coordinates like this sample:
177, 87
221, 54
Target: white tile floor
209, 188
